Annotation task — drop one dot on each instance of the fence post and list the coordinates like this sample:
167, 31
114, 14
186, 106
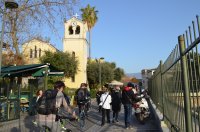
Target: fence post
188, 120
161, 86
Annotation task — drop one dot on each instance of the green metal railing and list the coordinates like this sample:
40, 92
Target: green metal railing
175, 85
10, 105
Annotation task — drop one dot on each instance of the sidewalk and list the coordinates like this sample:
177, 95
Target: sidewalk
92, 124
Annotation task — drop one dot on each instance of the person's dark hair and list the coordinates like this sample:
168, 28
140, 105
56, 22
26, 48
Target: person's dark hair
106, 85
130, 84
37, 93
83, 84
59, 84
105, 89
140, 83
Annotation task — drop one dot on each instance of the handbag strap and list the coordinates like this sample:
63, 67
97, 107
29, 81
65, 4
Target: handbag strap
105, 100
128, 97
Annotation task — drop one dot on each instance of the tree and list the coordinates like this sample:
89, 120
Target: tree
9, 58
31, 17
93, 74
63, 61
118, 74
107, 73
89, 15
134, 80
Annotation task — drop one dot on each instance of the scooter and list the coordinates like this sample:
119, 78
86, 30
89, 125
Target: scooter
141, 110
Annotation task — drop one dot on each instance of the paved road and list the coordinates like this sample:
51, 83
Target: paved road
92, 124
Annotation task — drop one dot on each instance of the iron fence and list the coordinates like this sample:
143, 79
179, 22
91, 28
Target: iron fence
175, 85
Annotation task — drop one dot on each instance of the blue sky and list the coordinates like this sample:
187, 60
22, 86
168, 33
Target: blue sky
137, 34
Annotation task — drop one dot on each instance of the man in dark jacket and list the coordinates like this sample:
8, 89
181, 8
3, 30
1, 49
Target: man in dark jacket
127, 100
82, 96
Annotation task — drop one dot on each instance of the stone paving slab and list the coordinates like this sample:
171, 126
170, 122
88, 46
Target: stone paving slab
93, 122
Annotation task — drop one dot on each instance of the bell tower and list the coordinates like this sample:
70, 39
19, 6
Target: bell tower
75, 43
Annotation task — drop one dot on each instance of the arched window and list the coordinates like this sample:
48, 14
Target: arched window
31, 53
77, 30
70, 30
35, 51
40, 52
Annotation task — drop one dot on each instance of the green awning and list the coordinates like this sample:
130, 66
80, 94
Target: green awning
35, 70
41, 73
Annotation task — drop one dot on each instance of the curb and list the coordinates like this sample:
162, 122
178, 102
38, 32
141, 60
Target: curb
158, 116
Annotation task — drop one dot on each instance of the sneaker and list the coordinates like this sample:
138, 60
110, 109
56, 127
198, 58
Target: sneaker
130, 127
64, 128
117, 120
35, 123
126, 127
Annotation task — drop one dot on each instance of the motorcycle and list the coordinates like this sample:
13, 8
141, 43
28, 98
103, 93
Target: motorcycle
141, 110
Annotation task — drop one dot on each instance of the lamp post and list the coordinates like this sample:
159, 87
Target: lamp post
99, 62
8, 4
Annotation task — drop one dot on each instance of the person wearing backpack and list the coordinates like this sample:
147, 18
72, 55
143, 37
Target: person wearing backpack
82, 97
49, 104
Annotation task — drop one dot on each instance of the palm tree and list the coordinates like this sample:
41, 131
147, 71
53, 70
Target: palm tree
89, 15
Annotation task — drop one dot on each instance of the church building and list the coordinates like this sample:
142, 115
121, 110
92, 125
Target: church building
74, 42
35, 48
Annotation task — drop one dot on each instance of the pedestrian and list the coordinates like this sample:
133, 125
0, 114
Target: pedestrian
82, 96
39, 94
50, 120
116, 103
105, 103
127, 100
98, 95
33, 111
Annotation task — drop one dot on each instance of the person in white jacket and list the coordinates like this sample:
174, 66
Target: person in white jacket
105, 103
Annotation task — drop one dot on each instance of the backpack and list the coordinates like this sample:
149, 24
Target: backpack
47, 103
81, 95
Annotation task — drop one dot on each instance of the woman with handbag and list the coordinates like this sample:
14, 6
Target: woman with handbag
105, 103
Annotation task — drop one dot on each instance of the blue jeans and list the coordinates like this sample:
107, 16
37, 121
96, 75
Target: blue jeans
127, 114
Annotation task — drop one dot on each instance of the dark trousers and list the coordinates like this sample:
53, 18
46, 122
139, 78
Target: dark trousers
127, 114
105, 112
115, 115
99, 109
79, 109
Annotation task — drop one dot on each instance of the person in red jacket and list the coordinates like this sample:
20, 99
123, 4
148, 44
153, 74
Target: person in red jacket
127, 101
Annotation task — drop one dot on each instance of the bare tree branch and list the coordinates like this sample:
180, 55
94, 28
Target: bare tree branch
27, 21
